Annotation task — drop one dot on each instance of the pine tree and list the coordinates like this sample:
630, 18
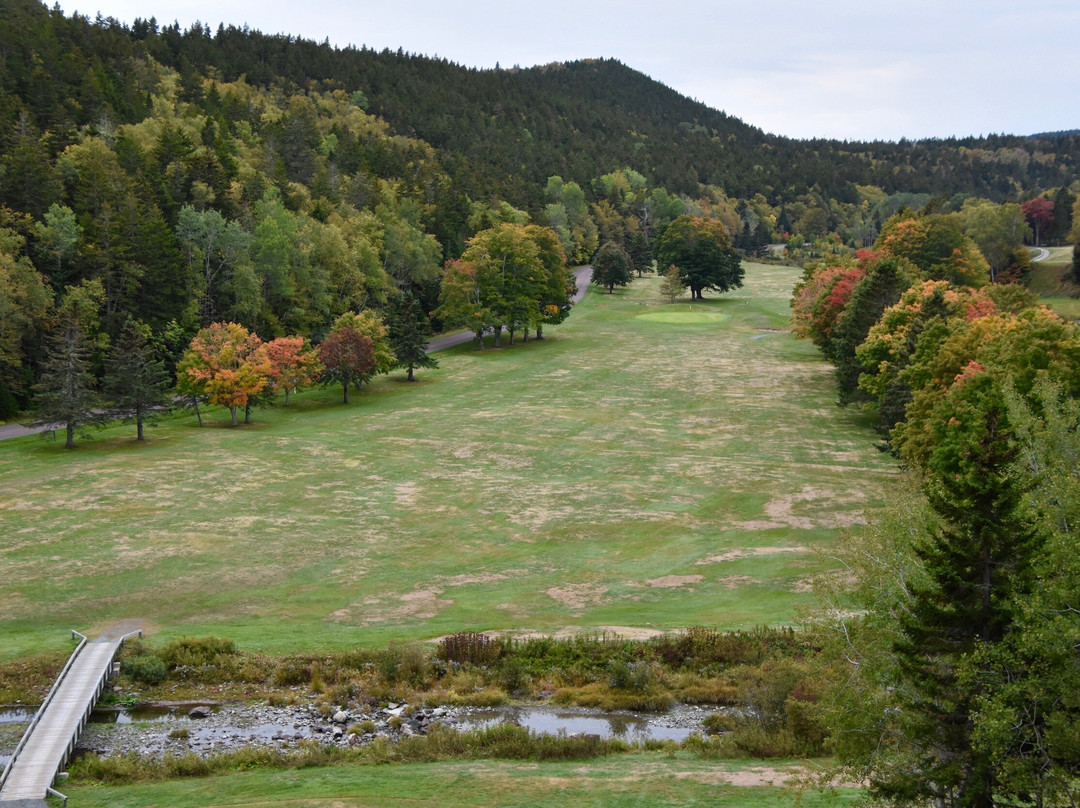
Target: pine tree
409, 335
135, 380
65, 395
979, 567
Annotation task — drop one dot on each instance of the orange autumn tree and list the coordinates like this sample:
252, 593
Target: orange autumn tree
226, 363
293, 364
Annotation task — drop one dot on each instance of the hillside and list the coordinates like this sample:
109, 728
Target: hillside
505, 131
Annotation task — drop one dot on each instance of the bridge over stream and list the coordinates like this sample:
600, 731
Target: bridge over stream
49, 740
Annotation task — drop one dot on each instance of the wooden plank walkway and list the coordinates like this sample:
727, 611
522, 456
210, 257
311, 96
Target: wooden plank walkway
53, 737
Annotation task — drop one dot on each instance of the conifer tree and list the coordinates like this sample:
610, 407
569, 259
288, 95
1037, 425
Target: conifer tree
409, 335
135, 380
65, 395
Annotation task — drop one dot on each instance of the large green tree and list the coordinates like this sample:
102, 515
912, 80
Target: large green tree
701, 250
611, 267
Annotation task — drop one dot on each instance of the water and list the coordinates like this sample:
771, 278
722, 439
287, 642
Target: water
552, 721
17, 715
132, 715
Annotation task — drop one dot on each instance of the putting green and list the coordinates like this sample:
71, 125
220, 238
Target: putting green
675, 317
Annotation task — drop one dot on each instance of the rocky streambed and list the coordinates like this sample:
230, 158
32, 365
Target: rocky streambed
158, 730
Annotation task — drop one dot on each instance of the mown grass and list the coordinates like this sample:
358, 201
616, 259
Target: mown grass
1052, 281
649, 465
626, 781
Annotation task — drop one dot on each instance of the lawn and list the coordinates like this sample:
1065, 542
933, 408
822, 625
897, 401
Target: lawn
649, 466
625, 781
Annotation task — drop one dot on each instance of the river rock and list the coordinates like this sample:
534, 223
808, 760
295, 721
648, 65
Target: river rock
340, 717
200, 712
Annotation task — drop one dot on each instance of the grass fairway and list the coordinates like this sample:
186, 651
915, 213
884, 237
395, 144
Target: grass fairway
626, 781
650, 465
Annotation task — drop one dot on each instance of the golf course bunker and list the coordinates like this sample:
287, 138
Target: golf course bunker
684, 317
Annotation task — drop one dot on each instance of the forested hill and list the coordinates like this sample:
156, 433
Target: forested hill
503, 131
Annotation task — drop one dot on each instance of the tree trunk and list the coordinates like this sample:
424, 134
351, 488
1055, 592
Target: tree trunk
70, 443
232, 412
345, 387
540, 331
511, 330
139, 426
525, 334
247, 413
479, 340
286, 396
498, 336
410, 376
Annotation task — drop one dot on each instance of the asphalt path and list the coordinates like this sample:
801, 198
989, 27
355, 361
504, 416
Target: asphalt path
1039, 253
583, 275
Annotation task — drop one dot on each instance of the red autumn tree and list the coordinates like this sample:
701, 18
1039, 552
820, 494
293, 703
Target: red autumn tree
1040, 215
227, 364
293, 364
349, 357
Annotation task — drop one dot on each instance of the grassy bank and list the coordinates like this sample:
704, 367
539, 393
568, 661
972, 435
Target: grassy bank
650, 465
635, 779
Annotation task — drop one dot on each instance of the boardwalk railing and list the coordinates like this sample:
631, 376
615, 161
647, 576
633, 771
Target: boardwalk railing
105, 675
43, 707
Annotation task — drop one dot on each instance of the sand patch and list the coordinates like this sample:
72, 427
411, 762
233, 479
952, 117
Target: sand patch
675, 581
578, 596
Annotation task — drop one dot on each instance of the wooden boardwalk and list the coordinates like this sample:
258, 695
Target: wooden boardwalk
50, 740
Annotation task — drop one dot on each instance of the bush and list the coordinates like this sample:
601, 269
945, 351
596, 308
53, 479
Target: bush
408, 664
469, 647
145, 668
195, 652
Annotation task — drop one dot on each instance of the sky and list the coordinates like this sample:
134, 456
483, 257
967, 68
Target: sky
843, 69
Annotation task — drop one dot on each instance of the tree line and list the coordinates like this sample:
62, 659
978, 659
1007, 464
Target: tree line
954, 648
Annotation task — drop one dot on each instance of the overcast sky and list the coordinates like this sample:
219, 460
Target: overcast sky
847, 69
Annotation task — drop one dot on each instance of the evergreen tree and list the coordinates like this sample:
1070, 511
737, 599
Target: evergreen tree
979, 568
409, 335
882, 286
65, 395
135, 380
1076, 263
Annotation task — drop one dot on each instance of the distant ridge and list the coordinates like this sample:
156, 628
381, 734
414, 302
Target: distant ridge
504, 131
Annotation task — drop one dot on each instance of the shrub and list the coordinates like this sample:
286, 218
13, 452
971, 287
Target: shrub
145, 668
195, 652
469, 647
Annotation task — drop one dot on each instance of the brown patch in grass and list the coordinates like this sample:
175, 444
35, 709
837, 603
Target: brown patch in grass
578, 596
420, 604
735, 581
675, 581
780, 511
752, 778
746, 552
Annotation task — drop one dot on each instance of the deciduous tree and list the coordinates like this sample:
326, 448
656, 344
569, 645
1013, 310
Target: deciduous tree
611, 267
700, 249
1039, 212
348, 356
293, 364
227, 364
672, 286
